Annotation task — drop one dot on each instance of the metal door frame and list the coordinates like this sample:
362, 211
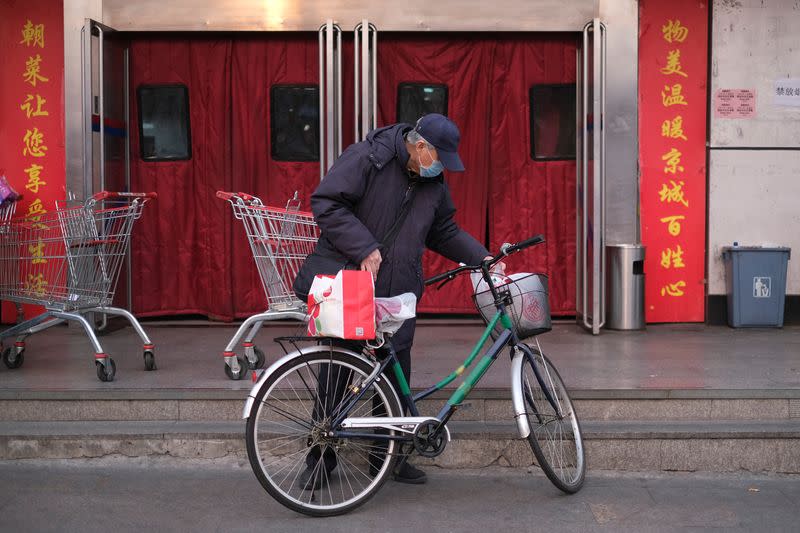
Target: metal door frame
330, 95
596, 235
89, 29
365, 44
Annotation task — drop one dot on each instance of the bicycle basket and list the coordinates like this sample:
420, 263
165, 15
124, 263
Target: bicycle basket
529, 309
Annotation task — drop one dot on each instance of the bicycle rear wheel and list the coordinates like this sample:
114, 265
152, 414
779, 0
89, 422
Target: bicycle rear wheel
555, 436
288, 442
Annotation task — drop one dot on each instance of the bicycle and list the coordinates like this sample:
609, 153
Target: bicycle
325, 425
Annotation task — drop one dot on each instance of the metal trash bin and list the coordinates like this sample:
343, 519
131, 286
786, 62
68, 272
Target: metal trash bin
625, 286
755, 280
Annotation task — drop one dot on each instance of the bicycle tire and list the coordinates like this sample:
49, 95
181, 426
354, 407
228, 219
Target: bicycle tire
290, 414
556, 441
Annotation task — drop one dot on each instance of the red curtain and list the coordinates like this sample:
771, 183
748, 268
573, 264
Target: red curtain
191, 256
488, 77
527, 196
180, 248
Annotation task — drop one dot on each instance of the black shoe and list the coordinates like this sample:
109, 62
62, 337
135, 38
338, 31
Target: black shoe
408, 473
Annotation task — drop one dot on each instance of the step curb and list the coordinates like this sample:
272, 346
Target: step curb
592, 430
772, 447
477, 393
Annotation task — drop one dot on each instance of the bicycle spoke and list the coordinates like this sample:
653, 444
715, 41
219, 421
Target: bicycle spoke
309, 389
291, 417
289, 407
364, 475
300, 439
291, 464
296, 463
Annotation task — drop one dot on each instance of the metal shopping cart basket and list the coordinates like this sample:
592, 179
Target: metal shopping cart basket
69, 262
280, 239
7, 210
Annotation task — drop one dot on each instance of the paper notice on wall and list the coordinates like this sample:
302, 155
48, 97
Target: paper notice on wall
735, 103
787, 92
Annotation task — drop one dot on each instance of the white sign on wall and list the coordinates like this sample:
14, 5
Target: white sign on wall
787, 92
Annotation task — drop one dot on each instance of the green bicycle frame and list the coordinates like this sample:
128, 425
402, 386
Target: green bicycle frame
506, 335
480, 369
472, 378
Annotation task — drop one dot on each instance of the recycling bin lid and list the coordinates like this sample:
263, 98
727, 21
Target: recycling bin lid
726, 249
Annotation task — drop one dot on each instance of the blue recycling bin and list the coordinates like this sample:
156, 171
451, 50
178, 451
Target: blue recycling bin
755, 279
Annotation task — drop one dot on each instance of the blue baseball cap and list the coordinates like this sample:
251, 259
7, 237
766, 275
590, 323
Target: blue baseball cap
443, 134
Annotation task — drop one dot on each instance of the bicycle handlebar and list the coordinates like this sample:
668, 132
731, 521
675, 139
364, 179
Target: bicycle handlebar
505, 250
508, 249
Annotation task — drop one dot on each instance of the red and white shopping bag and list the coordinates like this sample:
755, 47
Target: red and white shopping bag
342, 306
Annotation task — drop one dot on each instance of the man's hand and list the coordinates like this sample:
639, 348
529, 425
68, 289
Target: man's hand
372, 263
499, 267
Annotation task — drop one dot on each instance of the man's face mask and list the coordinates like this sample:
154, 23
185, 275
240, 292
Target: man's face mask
434, 169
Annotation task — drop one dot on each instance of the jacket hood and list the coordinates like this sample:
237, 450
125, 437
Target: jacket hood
387, 143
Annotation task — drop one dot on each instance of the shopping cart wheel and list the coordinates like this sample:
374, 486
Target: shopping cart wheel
260, 357
243, 368
149, 360
10, 352
106, 371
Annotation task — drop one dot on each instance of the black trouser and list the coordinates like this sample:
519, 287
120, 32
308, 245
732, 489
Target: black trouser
331, 389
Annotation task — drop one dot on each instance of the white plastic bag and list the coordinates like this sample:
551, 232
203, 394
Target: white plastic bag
479, 284
390, 313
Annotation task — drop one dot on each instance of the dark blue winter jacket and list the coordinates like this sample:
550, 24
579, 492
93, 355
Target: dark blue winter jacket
357, 203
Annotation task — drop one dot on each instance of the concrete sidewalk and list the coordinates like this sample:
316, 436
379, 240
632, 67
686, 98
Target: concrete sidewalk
662, 358
190, 496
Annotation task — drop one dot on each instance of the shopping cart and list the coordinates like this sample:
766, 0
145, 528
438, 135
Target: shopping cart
280, 239
69, 262
7, 210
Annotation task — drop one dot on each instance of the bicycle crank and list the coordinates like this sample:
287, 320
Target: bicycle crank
431, 438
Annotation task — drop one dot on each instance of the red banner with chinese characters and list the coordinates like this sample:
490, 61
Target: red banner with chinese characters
673, 52
32, 111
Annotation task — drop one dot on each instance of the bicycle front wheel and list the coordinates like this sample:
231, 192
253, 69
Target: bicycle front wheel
555, 436
289, 440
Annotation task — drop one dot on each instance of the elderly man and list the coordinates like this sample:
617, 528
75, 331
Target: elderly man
380, 205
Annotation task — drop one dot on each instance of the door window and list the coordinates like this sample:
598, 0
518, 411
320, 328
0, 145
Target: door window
294, 122
417, 99
552, 121
164, 132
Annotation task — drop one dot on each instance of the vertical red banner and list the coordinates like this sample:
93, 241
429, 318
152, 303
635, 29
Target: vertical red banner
32, 112
673, 56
